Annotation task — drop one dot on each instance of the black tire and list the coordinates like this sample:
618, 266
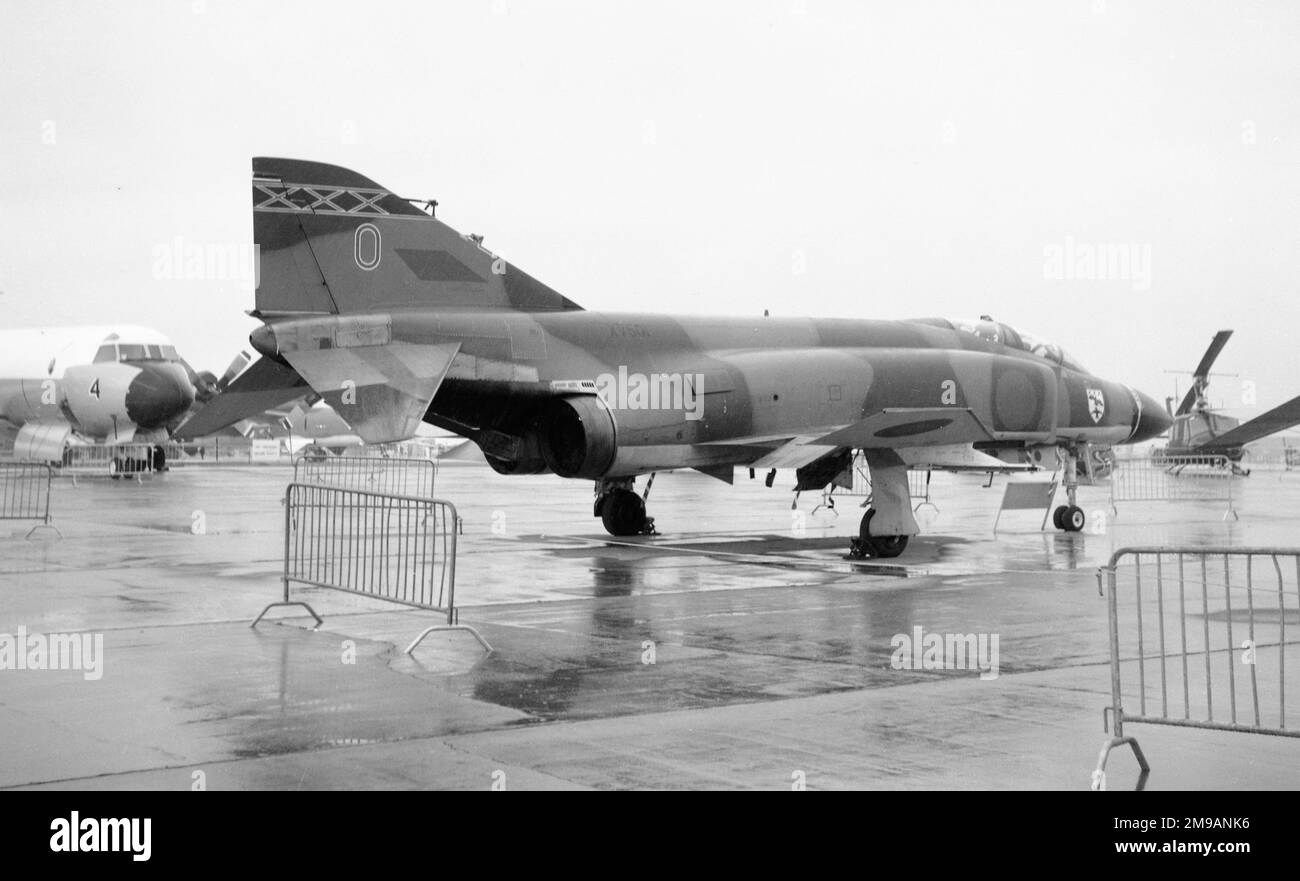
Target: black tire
623, 513
1074, 519
888, 546
883, 546
1058, 516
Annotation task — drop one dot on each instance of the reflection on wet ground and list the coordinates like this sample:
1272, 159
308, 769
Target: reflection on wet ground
716, 654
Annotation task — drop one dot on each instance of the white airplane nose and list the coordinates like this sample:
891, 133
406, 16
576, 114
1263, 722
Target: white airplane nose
159, 394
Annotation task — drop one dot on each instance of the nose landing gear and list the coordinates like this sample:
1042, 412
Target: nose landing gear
1070, 517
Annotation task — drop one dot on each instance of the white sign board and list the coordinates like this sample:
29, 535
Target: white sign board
264, 451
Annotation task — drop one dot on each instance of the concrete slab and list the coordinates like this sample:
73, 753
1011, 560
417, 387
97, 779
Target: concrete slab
739, 649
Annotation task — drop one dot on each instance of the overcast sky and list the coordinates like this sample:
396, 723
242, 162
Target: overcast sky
881, 160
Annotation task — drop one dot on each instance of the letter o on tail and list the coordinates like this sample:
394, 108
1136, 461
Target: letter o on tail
365, 246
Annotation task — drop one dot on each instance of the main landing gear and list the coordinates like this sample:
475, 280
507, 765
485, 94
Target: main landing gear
1070, 518
868, 545
621, 510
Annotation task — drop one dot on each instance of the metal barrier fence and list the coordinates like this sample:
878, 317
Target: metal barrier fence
109, 460
25, 494
271, 451
390, 547
1173, 479
400, 477
1260, 457
1205, 641
225, 451
392, 450
918, 483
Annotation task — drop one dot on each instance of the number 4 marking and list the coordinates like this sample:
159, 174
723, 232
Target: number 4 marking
94, 388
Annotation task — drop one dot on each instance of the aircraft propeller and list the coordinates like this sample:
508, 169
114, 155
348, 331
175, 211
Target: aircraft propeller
207, 386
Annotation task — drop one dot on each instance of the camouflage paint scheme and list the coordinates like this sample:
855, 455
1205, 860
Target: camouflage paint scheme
394, 318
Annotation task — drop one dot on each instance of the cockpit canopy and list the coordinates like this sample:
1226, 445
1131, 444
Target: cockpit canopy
135, 352
996, 332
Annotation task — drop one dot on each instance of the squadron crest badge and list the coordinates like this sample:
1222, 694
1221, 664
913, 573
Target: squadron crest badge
1096, 404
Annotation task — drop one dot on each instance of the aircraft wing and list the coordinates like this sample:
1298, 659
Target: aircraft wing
794, 453
1275, 420
948, 428
895, 428
772, 440
264, 386
955, 457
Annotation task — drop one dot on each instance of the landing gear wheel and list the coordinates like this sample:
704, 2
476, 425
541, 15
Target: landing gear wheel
623, 513
1073, 518
115, 468
1058, 516
884, 546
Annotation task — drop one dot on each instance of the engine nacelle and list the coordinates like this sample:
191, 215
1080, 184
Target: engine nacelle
577, 437
517, 466
512, 454
42, 442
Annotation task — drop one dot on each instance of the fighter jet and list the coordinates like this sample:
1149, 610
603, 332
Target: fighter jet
394, 317
114, 384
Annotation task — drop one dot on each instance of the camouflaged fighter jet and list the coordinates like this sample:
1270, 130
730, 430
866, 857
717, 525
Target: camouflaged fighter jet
394, 317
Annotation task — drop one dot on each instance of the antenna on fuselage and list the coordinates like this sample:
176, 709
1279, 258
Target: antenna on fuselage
429, 206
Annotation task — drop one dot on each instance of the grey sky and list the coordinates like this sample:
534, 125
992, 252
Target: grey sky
856, 160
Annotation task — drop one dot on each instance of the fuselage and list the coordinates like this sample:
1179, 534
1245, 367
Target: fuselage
1194, 434
679, 388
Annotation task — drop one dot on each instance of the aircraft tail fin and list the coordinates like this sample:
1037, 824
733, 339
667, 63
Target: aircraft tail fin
333, 241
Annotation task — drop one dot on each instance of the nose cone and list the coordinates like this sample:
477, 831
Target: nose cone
1152, 420
158, 394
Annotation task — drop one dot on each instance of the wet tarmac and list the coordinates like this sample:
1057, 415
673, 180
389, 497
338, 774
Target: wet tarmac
738, 649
